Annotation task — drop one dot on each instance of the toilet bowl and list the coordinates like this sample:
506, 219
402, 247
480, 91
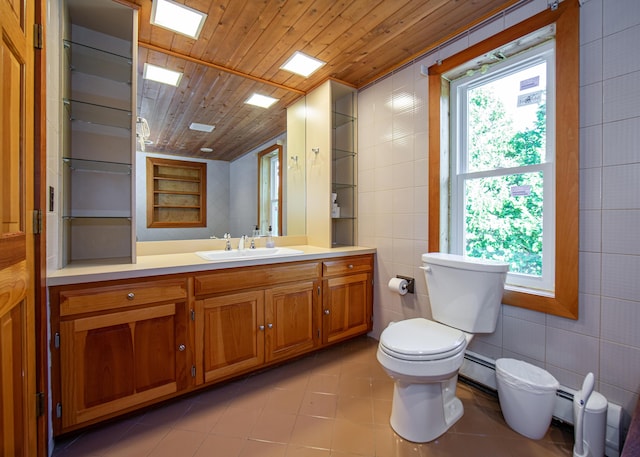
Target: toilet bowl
423, 356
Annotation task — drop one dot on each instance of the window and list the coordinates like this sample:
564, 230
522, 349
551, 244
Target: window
559, 240
502, 176
269, 189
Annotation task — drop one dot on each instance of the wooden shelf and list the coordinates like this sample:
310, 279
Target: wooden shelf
176, 193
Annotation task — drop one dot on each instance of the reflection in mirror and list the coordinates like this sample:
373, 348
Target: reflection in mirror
270, 190
207, 95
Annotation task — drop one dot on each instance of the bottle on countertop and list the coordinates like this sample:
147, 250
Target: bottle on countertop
270, 242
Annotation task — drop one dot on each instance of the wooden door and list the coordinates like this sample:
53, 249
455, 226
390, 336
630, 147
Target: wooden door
291, 321
115, 361
346, 307
17, 304
229, 334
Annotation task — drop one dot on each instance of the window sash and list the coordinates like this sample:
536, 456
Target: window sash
537, 285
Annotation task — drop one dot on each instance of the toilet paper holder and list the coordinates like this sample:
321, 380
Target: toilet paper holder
410, 282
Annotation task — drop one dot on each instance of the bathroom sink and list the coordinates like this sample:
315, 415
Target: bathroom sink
248, 254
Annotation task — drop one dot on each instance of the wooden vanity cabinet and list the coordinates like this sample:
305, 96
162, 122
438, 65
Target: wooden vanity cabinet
255, 316
119, 347
346, 298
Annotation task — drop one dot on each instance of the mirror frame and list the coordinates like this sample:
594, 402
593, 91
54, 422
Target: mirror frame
261, 159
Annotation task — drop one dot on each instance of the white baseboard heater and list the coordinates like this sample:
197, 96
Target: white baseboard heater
482, 370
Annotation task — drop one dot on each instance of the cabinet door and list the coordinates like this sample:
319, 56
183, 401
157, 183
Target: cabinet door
112, 362
346, 310
291, 321
231, 332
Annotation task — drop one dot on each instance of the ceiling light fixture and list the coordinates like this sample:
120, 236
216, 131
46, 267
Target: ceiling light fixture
261, 100
202, 127
302, 64
206, 150
177, 17
161, 75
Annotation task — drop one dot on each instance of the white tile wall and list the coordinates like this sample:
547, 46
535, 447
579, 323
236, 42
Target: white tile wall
605, 337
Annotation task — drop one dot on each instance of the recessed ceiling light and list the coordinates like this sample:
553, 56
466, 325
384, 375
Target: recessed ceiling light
302, 64
202, 127
161, 75
177, 17
261, 100
206, 150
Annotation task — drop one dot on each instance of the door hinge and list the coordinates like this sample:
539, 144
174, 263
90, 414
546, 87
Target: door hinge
193, 315
193, 371
56, 340
39, 404
37, 36
553, 4
37, 221
58, 410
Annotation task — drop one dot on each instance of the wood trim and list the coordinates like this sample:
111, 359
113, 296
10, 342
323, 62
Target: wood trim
191, 59
13, 249
566, 17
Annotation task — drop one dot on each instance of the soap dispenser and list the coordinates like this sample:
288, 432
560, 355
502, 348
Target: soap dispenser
270, 243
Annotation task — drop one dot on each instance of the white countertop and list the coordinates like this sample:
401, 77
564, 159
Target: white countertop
185, 262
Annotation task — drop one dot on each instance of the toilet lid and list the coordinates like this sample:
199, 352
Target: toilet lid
421, 339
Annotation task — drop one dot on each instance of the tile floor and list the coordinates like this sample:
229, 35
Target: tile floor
334, 403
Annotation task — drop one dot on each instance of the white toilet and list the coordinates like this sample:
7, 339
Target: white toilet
423, 357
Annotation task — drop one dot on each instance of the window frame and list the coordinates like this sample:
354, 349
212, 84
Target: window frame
265, 202
566, 17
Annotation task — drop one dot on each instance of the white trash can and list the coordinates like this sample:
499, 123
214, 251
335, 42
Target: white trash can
527, 396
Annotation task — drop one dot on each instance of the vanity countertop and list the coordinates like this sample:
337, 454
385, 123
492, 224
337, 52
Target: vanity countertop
185, 262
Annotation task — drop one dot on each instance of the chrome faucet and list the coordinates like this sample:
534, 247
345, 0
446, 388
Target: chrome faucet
227, 246
253, 244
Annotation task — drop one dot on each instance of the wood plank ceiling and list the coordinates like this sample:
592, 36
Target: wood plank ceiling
359, 40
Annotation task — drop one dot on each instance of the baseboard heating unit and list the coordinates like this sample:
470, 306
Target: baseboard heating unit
481, 370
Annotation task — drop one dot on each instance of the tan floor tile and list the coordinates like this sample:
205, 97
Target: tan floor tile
354, 386
284, 401
96, 441
351, 437
263, 449
355, 409
178, 442
381, 411
200, 417
141, 439
323, 383
217, 445
236, 422
312, 432
318, 404
166, 415
301, 451
274, 427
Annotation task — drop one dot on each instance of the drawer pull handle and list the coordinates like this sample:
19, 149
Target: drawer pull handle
181, 348
131, 296
327, 312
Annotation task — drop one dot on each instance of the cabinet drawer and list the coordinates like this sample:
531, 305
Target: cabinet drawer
110, 298
347, 266
254, 277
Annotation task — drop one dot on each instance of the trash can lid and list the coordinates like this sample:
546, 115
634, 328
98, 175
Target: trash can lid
525, 376
597, 403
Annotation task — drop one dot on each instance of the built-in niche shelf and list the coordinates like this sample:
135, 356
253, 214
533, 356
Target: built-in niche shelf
98, 102
176, 193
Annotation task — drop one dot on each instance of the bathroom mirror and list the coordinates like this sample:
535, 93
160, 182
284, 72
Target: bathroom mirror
209, 96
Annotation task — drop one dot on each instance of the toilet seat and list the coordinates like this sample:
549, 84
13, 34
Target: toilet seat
421, 340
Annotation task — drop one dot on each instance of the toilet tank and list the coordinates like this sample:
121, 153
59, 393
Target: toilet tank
465, 292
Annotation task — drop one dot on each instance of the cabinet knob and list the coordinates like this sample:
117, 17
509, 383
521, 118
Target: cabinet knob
131, 296
261, 328
270, 325
350, 267
327, 312
182, 347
